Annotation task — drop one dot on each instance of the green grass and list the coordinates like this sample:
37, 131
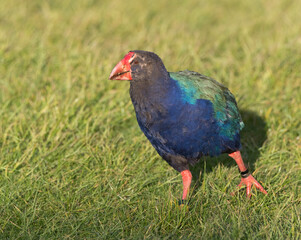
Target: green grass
73, 162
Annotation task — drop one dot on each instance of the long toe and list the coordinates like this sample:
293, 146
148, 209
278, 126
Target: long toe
258, 186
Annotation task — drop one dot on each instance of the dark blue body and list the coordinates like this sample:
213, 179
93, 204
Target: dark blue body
181, 131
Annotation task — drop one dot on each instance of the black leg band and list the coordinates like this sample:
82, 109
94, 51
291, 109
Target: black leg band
245, 174
183, 202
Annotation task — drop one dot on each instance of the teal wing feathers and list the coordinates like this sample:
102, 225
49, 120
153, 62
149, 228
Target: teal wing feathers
196, 86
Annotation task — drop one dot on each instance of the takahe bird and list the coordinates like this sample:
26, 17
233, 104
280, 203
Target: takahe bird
185, 115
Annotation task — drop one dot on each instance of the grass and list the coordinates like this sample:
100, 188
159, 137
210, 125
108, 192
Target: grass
73, 162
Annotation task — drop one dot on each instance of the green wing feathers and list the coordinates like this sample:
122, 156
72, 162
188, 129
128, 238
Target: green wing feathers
197, 86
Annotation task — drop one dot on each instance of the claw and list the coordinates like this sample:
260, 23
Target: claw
249, 181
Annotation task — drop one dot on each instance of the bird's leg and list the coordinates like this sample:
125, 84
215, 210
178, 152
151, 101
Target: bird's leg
246, 178
186, 176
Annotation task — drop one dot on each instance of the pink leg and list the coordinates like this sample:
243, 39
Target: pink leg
186, 176
247, 179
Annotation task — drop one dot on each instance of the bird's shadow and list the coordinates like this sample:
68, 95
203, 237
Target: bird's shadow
253, 136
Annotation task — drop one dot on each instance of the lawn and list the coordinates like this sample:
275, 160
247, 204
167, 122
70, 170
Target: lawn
73, 161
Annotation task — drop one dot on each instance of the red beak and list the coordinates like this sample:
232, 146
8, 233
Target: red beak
122, 71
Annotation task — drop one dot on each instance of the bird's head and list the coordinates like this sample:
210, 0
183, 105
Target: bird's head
137, 65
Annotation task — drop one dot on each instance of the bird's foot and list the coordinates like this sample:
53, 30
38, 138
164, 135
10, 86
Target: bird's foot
183, 202
183, 205
248, 182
